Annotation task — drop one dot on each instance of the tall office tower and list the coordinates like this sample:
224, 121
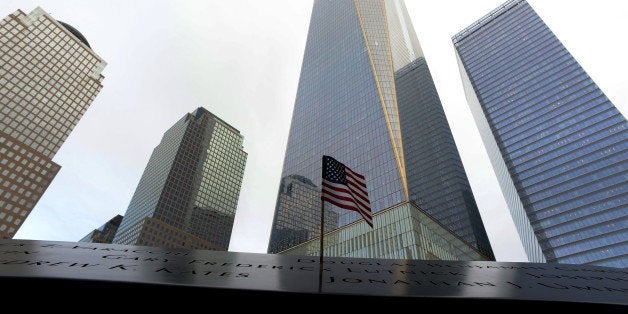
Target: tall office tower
105, 233
366, 98
49, 76
188, 194
557, 144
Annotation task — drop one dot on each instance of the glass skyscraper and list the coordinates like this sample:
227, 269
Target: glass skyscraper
188, 194
49, 76
556, 142
105, 233
366, 98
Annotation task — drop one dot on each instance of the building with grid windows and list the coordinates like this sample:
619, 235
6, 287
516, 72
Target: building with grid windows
366, 97
105, 233
188, 193
556, 142
49, 76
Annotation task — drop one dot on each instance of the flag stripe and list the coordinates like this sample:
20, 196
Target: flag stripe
356, 184
356, 179
364, 201
346, 204
346, 195
343, 193
339, 187
361, 177
364, 204
364, 196
349, 207
345, 188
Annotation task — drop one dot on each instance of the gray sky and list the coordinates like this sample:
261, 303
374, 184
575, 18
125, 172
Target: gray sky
241, 60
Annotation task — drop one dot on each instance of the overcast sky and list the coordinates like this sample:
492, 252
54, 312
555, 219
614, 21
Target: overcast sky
241, 60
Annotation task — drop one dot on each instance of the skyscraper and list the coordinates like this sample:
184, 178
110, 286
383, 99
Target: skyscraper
105, 233
188, 194
557, 143
366, 98
49, 76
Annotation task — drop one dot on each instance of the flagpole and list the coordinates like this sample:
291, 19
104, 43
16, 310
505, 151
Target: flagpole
340, 185
320, 266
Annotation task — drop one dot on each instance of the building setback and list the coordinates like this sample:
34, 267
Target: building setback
188, 193
49, 76
556, 142
366, 97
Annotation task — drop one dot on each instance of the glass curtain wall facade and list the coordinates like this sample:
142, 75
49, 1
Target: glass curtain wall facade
400, 231
188, 194
49, 76
366, 98
556, 141
105, 233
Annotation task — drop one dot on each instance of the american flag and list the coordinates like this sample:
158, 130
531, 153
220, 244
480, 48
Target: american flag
345, 188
